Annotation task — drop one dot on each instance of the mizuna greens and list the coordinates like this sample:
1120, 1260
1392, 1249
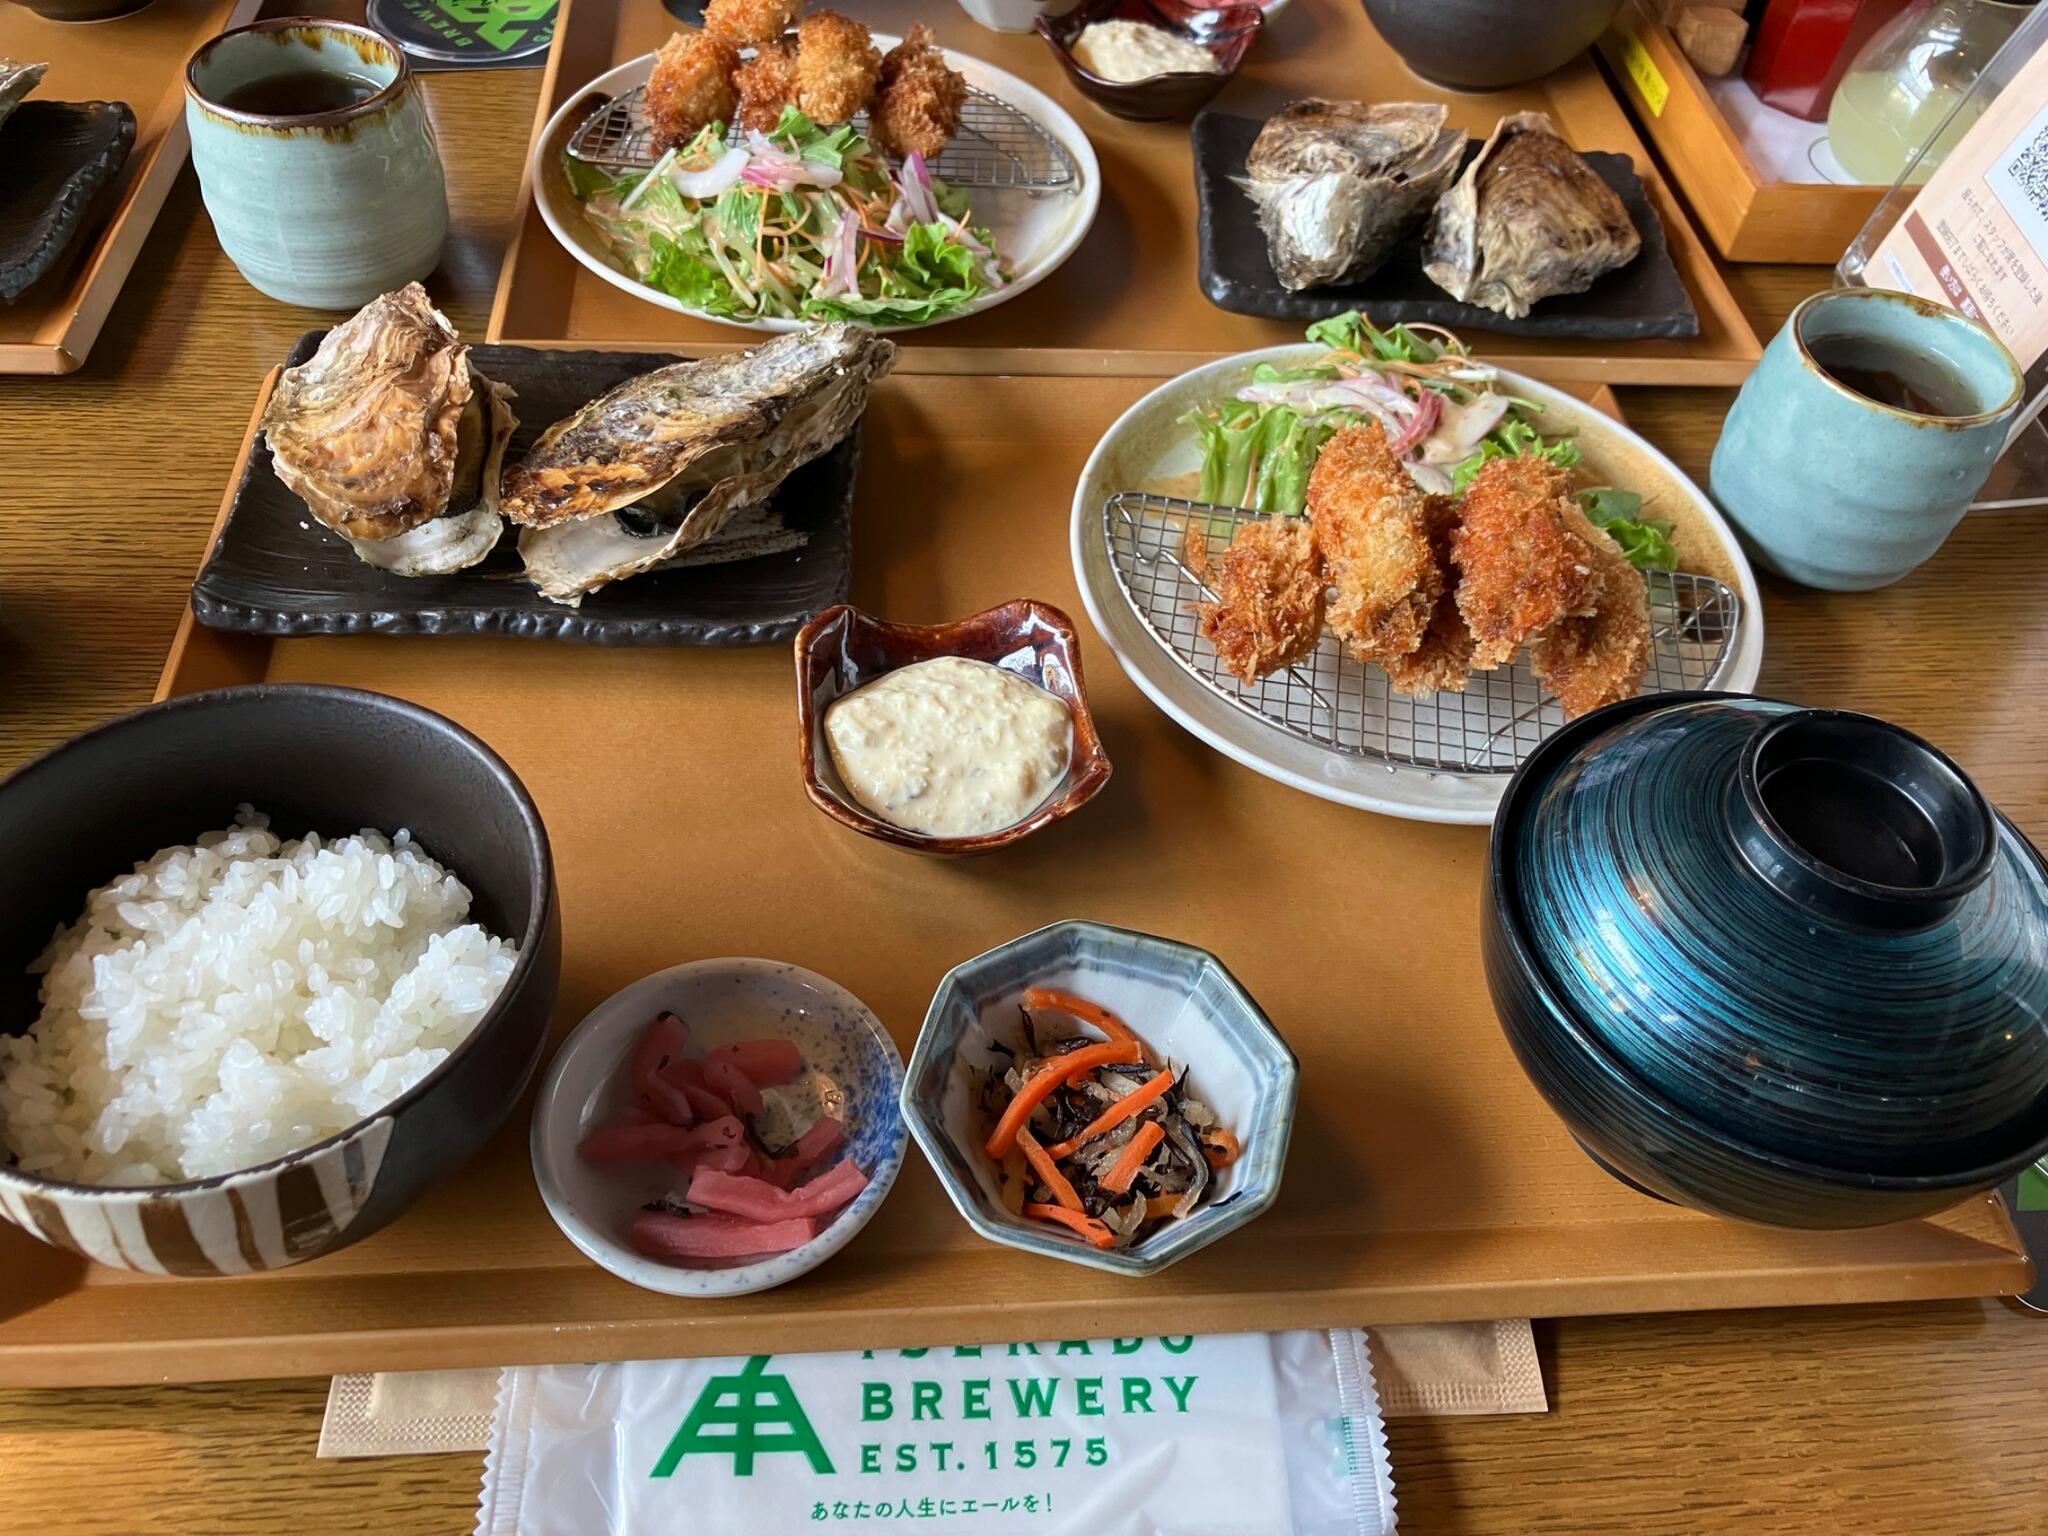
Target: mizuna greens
803, 223
1440, 409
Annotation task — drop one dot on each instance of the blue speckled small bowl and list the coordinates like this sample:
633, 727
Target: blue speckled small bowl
1188, 1009
1779, 964
721, 1000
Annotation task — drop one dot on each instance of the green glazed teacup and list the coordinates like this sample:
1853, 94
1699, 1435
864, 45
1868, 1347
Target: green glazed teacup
322, 208
1837, 490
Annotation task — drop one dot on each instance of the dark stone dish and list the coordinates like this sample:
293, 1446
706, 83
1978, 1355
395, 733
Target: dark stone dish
332, 760
274, 570
1778, 964
1482, 45
842, 649
1645, 300
1227, 31
59, 161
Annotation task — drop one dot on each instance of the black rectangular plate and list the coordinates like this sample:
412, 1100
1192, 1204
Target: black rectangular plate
1642, 301
276, 571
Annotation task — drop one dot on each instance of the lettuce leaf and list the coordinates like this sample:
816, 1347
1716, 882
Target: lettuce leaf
1352, 332
1259, 456
586, 180
1645, 540
1514, 438
689, 277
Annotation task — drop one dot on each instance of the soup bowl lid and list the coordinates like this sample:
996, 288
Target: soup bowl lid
1803, 929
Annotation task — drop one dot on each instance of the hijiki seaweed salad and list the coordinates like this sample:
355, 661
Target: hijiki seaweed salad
1441, 409
1098, 1136
801, 222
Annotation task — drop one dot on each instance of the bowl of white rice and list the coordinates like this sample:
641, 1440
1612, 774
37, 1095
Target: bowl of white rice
273, 960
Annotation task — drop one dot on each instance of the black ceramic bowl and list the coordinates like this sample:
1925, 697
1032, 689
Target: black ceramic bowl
1227, 31
1482, 45
1778, 964
331, 760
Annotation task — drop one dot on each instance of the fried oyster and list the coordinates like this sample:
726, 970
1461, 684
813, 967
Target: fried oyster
649, 473
393, 439
1528, 219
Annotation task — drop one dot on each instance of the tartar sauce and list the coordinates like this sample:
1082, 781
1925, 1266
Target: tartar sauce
1135, 50
950, 747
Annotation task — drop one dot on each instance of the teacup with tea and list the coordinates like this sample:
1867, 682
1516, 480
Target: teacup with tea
1860, 440
317, 160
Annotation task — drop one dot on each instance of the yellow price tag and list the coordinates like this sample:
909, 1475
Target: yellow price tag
1642, 69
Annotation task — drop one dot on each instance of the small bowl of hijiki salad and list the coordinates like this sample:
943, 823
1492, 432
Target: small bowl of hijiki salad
1102, 1096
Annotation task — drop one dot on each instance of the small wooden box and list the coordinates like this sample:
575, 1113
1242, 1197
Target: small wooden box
1747, 217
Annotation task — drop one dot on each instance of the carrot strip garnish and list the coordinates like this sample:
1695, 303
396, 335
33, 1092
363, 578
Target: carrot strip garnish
1085, 1011
1041, 1083
1126, 1167
1166, 1205
1048, 1174
1220, 1147
1117, 1113
1097, 1234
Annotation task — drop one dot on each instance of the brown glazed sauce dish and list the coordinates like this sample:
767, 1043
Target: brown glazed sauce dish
1226, 31
844, 649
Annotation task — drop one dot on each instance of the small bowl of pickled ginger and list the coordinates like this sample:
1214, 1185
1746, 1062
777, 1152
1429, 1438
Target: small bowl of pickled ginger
719, 1128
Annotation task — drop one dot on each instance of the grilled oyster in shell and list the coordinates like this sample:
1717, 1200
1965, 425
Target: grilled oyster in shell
16, 81
1339, 184
393, 439
653, 471
1528, 219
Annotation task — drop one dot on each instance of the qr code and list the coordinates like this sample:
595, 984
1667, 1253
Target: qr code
2028, 171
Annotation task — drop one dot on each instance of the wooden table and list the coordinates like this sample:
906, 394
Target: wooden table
1881, 1420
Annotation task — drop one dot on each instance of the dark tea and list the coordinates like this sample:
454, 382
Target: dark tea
299, 93
1890, 375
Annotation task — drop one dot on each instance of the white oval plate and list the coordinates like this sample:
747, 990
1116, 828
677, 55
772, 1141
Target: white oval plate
1035, 234
1147, 445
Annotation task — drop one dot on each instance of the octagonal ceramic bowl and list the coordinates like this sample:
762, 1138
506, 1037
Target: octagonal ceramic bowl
1191, 1012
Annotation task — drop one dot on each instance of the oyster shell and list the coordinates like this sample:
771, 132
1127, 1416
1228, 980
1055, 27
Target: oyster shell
393, 439
654, 470
1339, 184
1528, 219
16, 81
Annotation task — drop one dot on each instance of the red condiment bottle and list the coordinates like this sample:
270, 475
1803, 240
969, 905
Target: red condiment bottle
1803, 48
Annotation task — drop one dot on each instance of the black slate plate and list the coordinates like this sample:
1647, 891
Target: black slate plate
57, 158
1642, 300
275, 570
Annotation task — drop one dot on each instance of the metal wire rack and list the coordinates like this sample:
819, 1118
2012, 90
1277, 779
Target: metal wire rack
997, 145
1340, 703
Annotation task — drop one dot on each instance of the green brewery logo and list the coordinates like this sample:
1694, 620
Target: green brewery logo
493, 26
744, 1416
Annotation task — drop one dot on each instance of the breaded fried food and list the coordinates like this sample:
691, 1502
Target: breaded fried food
1372, 531
1269, 608
1444, 659
750, 23
1521, 565
918, 106
1602, 658
691, 86
767, 84
837, 65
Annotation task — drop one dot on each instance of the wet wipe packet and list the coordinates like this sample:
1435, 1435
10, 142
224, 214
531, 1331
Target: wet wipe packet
1232, 1435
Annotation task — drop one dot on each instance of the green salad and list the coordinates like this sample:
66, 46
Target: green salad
803, 223
1443, 415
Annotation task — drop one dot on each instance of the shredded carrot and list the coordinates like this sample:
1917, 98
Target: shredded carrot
1220, 1147
1166, 1205
1126, 1167
1048, 1173
1095, 1232
1117, 1113
1048, 1077
1085, 1011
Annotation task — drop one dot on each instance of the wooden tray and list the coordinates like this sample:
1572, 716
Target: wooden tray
1427, 1180
1747, 217
138, 59
1127, 302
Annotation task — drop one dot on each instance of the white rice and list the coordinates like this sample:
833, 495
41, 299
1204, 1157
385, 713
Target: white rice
235, 1000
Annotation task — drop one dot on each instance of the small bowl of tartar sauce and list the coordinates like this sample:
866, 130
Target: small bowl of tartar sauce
946, 739
1151, 60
